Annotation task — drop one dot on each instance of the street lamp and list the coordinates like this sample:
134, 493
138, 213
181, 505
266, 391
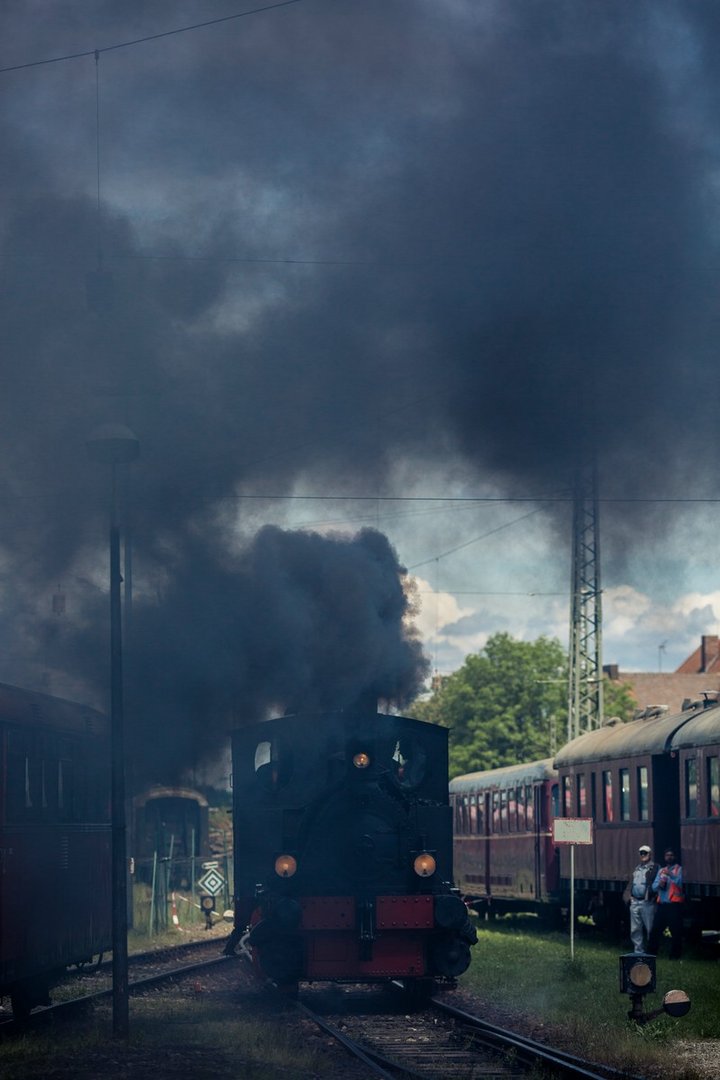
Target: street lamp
115, 444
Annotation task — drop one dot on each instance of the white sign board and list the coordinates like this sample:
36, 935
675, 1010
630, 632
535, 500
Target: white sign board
573, 830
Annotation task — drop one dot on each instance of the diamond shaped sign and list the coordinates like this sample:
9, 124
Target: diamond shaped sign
213, 882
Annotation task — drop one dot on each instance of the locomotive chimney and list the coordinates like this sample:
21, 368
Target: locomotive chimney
366, 704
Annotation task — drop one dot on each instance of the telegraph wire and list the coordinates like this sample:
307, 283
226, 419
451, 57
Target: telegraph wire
478, 499
149, 37
475, 540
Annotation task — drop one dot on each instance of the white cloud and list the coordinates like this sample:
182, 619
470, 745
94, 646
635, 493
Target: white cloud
437, 610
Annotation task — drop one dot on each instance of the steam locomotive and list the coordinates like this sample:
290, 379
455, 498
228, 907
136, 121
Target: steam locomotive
654, 780
55, 841
343, 851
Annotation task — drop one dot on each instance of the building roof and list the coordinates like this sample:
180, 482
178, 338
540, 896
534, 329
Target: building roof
670, 689
706, 658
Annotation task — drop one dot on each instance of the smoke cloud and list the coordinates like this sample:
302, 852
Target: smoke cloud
345, 241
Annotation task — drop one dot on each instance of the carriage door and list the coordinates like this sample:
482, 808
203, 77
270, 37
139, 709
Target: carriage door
665, 803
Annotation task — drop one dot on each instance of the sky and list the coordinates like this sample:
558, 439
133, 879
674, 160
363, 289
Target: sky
373, 279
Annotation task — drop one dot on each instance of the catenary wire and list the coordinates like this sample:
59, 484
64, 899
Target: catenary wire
149, 37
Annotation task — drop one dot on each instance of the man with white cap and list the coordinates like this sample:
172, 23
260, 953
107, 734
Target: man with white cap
641, 898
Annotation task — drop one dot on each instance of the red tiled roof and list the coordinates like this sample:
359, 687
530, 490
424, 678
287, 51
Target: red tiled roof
668, 689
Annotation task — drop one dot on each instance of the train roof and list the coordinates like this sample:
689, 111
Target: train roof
158, 791
657, 732
701, 730
505, 776
32, 709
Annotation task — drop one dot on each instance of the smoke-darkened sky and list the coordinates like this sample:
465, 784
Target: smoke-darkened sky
358, 249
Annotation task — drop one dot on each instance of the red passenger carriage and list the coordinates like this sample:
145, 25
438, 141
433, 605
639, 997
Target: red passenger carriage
503, 852
654, 780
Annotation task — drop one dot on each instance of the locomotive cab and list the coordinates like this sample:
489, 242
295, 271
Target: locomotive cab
343, 849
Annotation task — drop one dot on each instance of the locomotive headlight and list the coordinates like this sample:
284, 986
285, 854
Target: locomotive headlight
285, 865
424, 865
361, 760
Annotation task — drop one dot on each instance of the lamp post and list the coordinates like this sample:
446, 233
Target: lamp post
115, 444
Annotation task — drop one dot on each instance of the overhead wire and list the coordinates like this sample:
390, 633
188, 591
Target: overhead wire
149, 37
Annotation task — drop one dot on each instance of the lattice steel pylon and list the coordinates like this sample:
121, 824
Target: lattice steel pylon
585, 683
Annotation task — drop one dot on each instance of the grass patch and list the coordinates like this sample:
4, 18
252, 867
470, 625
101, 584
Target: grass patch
532, 974
181, 1038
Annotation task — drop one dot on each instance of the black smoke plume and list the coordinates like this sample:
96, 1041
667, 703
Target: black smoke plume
347, 242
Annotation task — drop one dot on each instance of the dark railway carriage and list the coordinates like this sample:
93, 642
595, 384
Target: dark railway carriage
343, 850
654, 780
55, 907
504, 856
169, 826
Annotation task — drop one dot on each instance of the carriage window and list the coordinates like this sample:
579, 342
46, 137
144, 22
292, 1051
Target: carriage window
713, 787
43, 787
481, 815
607, 795
28, 786
567, 796
581, 796
530, 804
66, 789
15, 789
642, 788
473, 814
624, 794
521, 809
512, 809
691, 788
496, 811
503, 811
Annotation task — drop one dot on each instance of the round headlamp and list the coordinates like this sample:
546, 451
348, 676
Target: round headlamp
285, 865
424, 865
361, 760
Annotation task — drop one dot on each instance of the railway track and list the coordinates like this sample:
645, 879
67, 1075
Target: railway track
145, 970
440, 1043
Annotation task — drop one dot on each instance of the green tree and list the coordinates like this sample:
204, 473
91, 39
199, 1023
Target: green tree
508, 704
504, 705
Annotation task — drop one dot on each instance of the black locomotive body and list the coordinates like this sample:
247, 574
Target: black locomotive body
343, 850
55, 841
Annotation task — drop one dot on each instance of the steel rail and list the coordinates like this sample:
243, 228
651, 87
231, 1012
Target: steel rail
367, 1057
87, 999
568, 1065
